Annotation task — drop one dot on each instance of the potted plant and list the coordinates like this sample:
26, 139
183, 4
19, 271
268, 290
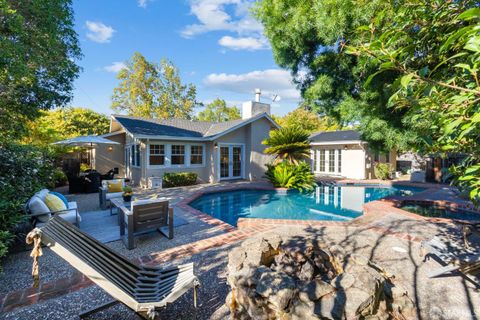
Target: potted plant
127, 193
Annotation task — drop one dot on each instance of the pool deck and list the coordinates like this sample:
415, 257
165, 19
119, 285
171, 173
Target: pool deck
206, 242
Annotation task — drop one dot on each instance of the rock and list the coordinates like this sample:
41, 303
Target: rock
354, 297
306, 272
277, 287
315, 290
303, 311
343, 281
236, 258
330, 306
359, 259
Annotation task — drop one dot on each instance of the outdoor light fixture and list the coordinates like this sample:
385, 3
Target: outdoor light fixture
345, 147
110, 148
215, 145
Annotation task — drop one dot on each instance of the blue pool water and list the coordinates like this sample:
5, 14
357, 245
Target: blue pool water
334, 203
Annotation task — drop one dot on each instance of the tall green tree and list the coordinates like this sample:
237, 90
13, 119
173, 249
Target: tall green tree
153, 90
66, 123
309, 38
308, 121
39, 50
217, 111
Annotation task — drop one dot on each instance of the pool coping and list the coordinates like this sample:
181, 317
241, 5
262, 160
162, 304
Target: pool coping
390, 204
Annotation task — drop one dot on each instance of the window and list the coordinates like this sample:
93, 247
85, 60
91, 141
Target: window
196, 155
331, 160
135, 155
178, 155
322, 161
315, 159
339, 161
157, 155
387, 157
376, 157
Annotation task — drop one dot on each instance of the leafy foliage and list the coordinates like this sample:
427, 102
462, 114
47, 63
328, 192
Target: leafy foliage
217, 111
291, 176
24, 171
382, 171
150, 90
433, 48
66, 123
307, 120
39, 48
179, 179
288, 143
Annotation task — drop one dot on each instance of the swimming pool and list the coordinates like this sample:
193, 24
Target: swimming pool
333, 203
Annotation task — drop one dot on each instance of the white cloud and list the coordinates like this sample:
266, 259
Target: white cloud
226, 15
143, 3
270, 81
99, 32
245, 43
115, 67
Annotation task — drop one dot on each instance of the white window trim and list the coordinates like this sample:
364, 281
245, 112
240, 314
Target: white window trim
133, 155
168, 155
225, 144
164, 155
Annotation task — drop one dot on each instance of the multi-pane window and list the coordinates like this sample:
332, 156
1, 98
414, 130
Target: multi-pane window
331, 161
196, 155
135, 155
178, 155
322, 161
157, 155
339, 161
315, 159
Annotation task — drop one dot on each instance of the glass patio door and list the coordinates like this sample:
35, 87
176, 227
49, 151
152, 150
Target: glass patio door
231, 166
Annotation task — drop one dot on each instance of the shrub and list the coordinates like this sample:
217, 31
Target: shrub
288, 175
59, 178
382, 170
178, 179
24, 171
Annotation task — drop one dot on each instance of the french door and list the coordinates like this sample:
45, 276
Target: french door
231, 161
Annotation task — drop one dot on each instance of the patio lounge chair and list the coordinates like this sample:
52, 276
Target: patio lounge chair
453, 257
143, 289
146, 215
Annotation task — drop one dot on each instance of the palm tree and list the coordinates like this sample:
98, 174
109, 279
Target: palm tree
288, 143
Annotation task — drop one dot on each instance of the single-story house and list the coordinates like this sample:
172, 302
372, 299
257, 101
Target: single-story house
215, 151
344, 154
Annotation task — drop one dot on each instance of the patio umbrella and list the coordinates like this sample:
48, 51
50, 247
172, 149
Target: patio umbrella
85, 141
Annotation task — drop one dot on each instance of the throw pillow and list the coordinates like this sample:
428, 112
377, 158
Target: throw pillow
61, 196
37, 206
54, 203
115, 186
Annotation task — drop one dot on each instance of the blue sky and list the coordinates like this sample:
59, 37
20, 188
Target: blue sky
216, 44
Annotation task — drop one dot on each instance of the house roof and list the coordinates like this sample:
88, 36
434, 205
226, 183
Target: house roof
335, 136
180, 128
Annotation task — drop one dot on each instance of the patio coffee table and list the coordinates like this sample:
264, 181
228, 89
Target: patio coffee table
118, 203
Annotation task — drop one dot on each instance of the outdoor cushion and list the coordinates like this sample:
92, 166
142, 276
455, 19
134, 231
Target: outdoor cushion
72, 205
54, 203
37, 206
113, 195
42, 194
70, 216
61, 196
114, 186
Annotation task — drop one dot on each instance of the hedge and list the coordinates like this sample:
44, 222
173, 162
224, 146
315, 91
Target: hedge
178, 179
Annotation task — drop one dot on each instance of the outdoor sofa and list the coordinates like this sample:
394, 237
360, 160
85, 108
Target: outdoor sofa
37, 209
